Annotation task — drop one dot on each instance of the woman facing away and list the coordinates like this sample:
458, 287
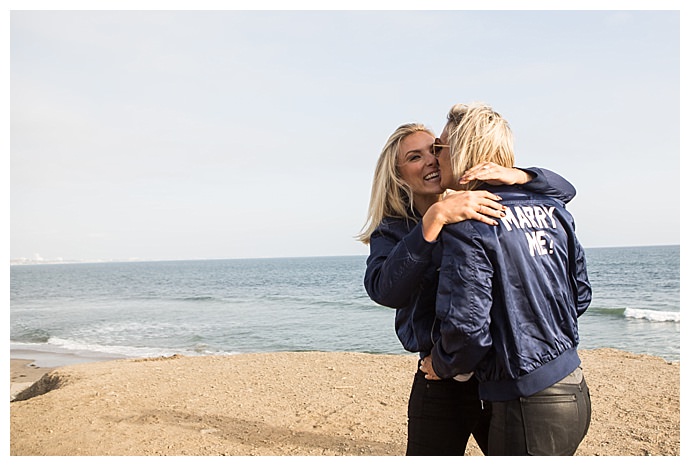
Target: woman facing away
509, 297
406, 214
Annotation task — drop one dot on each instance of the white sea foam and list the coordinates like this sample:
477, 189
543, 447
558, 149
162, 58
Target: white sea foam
654, 316
86, 351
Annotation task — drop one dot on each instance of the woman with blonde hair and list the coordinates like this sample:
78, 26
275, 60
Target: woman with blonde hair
407, 211
508, 299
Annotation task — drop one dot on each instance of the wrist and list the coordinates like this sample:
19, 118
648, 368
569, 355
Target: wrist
525, 177
433, 222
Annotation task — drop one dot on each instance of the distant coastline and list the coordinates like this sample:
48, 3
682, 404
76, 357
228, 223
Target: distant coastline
59, 260
25, 261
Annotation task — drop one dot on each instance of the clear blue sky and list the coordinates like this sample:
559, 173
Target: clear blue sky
226, 134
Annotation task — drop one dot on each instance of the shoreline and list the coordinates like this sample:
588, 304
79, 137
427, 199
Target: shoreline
299, 404
27, 366
46, 356
23, 374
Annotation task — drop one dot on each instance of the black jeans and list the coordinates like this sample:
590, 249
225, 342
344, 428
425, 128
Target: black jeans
551, 422
441, 416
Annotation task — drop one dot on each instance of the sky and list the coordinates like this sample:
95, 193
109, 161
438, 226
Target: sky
200, 134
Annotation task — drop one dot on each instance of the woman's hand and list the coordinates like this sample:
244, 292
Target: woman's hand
457, 206
495, 174
426, 367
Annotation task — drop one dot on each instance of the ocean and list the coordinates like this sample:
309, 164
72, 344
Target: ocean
100, 311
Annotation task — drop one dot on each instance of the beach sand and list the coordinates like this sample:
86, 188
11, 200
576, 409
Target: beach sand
305, 404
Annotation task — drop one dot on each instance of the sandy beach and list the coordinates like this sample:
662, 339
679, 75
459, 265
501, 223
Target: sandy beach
306, 404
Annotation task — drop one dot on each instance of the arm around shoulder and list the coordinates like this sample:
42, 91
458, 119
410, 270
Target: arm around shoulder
550, 184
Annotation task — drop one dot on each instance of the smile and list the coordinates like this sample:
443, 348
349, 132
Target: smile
431, 176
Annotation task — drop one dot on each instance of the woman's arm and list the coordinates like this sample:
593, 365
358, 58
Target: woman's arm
398, 258
463, 303
400, 251
458, 206
537, 180
550, 184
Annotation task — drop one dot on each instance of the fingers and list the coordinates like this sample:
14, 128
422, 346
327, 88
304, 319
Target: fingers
487, 205
488, 214
486, 196
483, 171
484, 219
492, 205
426, 367
495, 174
474, 205
480, 197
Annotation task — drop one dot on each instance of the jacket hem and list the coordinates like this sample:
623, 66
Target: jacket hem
529, 384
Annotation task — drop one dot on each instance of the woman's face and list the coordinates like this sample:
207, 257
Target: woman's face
417, 165
447, 178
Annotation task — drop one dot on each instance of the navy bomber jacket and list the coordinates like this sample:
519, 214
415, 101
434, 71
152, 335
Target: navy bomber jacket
509, 297
402, 267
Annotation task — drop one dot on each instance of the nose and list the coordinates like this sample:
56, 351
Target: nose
431, 159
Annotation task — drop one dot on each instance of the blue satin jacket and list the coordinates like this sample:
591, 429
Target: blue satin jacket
402, 267
509, 297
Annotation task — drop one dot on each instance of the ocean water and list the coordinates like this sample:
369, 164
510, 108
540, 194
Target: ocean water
146, 309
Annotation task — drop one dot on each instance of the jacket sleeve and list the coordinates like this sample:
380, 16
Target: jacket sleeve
396, 263
579, 275
550, 184
463, 302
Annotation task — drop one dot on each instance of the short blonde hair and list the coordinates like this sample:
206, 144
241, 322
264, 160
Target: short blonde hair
390, 194
477, 134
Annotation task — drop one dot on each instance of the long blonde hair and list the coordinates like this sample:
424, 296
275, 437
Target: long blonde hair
390, 195
477, 134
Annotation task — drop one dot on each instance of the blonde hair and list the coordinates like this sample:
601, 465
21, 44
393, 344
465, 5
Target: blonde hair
390, 195
477, 134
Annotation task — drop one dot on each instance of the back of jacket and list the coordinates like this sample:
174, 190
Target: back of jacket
509, 297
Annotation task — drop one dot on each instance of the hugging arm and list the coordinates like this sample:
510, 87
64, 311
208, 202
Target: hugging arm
550, 184
400, 251
537, 180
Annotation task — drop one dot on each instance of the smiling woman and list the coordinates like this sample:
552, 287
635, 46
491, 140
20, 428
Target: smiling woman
419, 168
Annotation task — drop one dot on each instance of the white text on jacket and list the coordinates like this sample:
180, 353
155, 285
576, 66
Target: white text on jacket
536, 219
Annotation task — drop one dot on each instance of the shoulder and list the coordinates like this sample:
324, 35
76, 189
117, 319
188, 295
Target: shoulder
394, 227
466, 231
397, 223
